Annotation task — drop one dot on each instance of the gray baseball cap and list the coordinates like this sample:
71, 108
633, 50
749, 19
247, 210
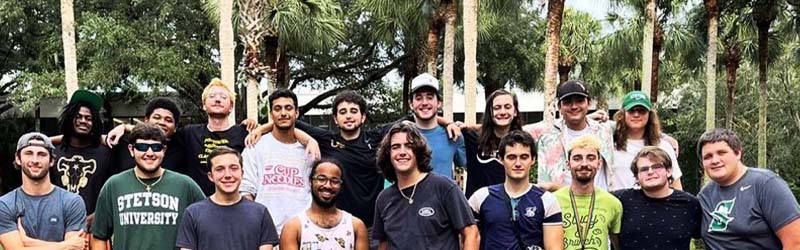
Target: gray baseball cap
34, 139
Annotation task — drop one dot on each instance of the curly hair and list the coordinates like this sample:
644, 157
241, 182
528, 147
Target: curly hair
652, 130
351, 97
67, 122
419, 147
163, 103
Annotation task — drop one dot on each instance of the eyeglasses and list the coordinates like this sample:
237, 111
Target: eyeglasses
654, 167
157, 147
322, 180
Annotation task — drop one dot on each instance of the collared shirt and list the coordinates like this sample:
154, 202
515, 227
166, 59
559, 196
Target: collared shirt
552, 152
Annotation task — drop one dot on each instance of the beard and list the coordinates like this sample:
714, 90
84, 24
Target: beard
148, 171
584, 179
323, 203
33, 177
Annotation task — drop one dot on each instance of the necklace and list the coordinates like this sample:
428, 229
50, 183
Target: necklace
582, 236
148, 187
409, 198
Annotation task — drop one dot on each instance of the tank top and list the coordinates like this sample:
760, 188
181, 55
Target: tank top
313, 237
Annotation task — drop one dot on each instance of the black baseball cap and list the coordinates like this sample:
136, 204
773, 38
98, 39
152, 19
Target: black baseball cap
572, 87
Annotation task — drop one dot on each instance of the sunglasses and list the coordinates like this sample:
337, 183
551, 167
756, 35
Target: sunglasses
322, 180
654, 167
157, 147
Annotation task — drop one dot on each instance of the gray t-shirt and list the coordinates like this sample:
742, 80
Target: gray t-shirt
47, 217
747, 214
432, 221
241, 226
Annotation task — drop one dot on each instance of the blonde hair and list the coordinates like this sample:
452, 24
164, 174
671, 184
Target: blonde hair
216, 82
585, 142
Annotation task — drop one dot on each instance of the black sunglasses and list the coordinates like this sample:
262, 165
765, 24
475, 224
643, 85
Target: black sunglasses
157, 147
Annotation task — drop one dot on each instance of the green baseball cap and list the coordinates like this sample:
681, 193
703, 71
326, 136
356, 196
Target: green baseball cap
636, 98
87, 96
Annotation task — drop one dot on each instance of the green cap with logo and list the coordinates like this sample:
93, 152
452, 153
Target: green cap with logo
636, 98
87, 96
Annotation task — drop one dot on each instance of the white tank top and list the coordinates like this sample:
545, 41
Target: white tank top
313, 237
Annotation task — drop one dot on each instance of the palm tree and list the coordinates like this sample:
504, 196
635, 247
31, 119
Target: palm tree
555, 13
580, 32
68, 40
764, 13
647, 46
451, 14
711, 62
737, 32
227, 47
470, 58
252, 30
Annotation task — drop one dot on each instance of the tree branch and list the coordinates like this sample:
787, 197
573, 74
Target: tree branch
374, 76
328, 73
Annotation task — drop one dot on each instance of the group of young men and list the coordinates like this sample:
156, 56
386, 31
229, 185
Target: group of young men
201, 187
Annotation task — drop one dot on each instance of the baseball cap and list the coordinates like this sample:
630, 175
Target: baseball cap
572, 87
424, 80
636, 98
87, 96
34, 139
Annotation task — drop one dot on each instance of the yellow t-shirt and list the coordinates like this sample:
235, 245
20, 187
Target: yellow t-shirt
606, 218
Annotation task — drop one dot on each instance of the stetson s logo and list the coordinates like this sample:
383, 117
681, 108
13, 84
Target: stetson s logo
74, 172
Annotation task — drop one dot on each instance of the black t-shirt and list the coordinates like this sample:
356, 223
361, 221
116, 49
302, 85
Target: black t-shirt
664, 224
197, 142
82, 171
482, 170
433, 221
123, 161
362, 182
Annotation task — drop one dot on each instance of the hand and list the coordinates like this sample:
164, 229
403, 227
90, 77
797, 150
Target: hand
453, 131
26, 241
599, 115
312, 149
76, 243
250, 124
112, 138
252, 138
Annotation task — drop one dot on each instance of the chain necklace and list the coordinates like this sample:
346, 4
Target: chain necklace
148, 187
410, 198
582, 236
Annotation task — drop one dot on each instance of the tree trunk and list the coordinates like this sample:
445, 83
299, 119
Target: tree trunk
68, 40
449, 58
251, 33
410, 71
432, 43
555, 14
470, 58
227, 47
647, 45
563, 73
733, 57
763, 58
711, 63
658, 42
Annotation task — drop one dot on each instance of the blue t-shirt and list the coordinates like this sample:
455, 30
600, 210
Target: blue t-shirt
241, 226
47, 217
444, 152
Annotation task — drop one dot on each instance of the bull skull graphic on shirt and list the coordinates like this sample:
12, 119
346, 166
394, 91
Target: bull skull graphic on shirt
74, 172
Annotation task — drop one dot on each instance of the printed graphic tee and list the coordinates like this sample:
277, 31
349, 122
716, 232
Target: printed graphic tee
197, 141
82, 171
606, 218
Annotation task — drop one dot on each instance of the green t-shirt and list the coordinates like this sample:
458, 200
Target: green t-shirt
607, 218
139, 219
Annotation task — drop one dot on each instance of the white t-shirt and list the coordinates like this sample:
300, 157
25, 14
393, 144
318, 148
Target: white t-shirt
277, 174
623, 159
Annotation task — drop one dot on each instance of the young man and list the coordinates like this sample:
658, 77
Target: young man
638, 126
323, 226
573, 104
225, 220
420, 210
82, 163
159, 111
743, 207
425, 101
677, 213
275, 169
141, 207
591, 215
38, 215
535, 214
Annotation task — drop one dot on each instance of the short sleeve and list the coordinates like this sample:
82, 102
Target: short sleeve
778, 205
269, 235
187, 231
552, 209
456, 207
542, 175
75, 214
8, 218
378, 232
103, 227
477, 198
196, 194
250, 177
